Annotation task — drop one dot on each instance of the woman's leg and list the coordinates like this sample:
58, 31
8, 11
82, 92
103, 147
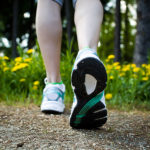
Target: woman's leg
49, 32
88, 19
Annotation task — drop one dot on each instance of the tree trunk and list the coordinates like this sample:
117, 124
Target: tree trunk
31, 39
15, 28
69, 17
142, 46
117, 49
126, 31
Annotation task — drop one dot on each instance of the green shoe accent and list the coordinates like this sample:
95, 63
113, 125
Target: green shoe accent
54, 83
87, 107
56, 91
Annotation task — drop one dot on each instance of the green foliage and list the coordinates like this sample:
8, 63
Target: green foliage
22, 80
18, 76
128, 84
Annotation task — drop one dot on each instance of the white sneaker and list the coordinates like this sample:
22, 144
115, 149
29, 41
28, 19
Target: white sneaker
53, 98
89, 80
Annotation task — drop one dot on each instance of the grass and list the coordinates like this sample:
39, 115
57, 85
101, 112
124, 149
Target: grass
22, 80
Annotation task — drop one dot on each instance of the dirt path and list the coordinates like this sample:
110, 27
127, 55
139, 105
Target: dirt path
27, 128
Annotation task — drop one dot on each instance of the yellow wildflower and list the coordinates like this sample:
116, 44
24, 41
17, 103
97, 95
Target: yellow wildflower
144, 65
18, 59
20, 66
30, 51
6, 58
117, 67
22, 80
17, 63
111, 57
15, 69
23, 65
126, 68
35, 87
143, 73
27, 59
116, 64
148, 67
108, 96
137, 69
122, 74
133, 65
36, 83
107, 60
109, 67
111, 77
5, 69
4, 63
145, 78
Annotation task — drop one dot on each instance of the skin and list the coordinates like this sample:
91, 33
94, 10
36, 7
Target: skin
88, 18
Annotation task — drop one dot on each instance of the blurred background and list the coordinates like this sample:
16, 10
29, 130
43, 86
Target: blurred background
124, 47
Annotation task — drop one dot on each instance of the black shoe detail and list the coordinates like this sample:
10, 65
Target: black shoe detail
89, 120
93, 67
51, 112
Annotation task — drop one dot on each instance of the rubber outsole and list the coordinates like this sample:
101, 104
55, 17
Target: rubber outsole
95, 68
90, 120
51, 112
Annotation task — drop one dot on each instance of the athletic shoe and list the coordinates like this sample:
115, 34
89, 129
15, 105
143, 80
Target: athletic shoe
53, 98
88, 82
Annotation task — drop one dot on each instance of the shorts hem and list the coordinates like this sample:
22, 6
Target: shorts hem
57, 1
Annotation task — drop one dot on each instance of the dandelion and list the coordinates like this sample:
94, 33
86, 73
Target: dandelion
28, 60
35, 87
125, 68
117, 67
137, 69
30, 51
36, 83
108, 96
144, 65
122, 74
111, 57
133, 65
17, 63
20, 66
5, 69
15, 68
18, 59
111, 77
144, 78
107, 60
109, 67
6, 58
116, 64
22, 80
4, 63
143, 73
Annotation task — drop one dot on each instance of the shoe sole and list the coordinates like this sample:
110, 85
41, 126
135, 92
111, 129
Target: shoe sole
52, 107
52, 112
83, 115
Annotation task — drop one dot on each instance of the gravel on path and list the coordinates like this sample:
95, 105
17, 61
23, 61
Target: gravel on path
27, 128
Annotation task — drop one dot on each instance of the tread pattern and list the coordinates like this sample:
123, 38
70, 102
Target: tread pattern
95, 68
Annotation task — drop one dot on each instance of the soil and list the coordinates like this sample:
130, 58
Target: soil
27, 128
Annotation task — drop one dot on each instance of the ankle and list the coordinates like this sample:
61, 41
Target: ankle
53, 80
59, 82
